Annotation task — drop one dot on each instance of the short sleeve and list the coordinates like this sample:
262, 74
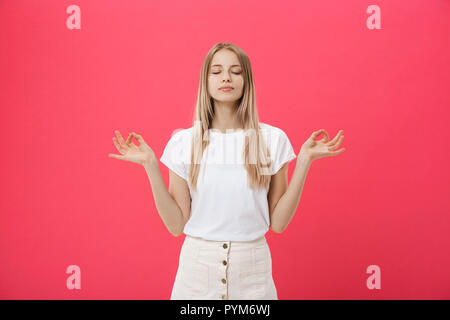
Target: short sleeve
173, 155
284, 152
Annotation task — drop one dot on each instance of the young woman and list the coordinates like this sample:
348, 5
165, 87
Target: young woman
228, 183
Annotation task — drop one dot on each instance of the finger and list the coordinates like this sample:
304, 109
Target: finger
120, 138
115, 156
118, 146
332, 142
138, 138
325, 138
337, 144
316, 134
338, 152
130, 137
130, 141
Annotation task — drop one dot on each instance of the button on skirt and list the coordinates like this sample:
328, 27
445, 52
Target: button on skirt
224, 270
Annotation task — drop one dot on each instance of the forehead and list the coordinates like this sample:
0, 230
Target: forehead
225, 58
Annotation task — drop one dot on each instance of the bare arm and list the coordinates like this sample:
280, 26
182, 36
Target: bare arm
284, 198
173, 213
173, 205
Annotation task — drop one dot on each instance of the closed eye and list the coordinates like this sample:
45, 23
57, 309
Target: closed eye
232, 72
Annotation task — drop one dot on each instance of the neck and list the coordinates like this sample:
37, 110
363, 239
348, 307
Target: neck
225, 116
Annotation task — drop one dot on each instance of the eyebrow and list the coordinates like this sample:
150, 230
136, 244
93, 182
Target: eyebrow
219, 65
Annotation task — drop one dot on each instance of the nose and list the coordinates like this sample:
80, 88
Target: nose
226, 77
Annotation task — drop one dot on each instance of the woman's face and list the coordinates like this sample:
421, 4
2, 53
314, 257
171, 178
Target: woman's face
225, 71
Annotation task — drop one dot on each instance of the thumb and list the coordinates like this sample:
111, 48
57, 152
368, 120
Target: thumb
138, 137
315, 134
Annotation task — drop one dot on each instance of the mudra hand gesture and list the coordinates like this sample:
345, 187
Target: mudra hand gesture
313, 149
130, 152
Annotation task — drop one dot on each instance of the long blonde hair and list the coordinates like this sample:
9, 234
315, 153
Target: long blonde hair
257, 167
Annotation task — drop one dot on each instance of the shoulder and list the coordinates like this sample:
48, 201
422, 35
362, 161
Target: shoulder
181, 134
178, 141
271, 130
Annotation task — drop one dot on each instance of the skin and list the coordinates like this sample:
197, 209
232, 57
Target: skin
174, 204
225, 70
284, 198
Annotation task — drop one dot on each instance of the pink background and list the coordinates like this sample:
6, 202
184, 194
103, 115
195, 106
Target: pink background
135, 66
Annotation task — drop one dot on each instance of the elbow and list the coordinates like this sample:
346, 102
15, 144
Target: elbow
176, 233
276, 229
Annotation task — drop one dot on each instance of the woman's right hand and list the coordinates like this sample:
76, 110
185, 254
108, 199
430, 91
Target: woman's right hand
141, 154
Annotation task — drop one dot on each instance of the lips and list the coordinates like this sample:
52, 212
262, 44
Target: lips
226, 88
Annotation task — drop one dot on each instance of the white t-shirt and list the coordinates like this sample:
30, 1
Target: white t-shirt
223, 207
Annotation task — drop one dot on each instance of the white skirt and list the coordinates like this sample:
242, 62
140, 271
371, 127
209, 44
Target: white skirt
224, 270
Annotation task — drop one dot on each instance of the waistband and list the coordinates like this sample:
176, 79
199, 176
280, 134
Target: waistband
204, 243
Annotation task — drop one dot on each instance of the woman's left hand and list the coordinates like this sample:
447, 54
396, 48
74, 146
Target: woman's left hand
312, 150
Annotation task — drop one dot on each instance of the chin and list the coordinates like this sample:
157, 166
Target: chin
229, 99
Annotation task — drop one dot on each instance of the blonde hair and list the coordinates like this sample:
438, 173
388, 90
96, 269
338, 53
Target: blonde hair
257, 167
